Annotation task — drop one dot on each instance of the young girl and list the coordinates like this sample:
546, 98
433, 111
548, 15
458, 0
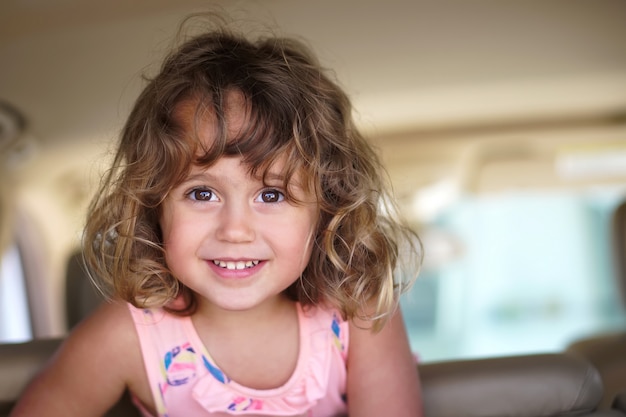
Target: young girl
246, 238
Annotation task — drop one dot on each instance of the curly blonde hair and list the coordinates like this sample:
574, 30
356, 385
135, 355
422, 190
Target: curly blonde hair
295, 109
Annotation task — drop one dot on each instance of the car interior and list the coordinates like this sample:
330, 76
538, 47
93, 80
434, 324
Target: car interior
502, 126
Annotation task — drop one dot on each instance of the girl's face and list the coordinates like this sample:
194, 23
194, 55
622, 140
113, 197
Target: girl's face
232, 239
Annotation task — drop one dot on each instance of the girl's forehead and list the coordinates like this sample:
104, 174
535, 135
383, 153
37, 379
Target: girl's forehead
275, 170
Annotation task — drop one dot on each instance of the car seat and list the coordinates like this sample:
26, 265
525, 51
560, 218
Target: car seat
607, 352
547, 385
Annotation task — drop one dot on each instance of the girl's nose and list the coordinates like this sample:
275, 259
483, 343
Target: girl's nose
236, 224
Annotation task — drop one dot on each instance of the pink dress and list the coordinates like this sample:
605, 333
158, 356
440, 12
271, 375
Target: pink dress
185, 381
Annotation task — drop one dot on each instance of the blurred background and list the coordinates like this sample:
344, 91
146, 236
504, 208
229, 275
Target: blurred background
502, 125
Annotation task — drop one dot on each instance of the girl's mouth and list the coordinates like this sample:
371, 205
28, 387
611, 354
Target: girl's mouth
234, 265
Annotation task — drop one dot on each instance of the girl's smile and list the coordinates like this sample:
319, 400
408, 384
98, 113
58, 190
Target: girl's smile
236, 269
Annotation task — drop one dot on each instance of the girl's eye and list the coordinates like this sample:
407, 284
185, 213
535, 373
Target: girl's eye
201, 195
271, 196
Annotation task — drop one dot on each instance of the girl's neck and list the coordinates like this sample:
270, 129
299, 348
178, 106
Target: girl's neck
271, 328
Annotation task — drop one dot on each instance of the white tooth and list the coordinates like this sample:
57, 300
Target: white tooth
235, 265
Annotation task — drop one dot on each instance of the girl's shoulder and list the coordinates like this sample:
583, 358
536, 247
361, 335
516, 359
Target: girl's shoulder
109, 330
110, 318
103, 351
327, 320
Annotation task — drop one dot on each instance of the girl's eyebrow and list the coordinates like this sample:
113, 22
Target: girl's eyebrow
273, 176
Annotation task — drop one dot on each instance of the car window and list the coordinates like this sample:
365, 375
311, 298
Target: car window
14, 315
524, 272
